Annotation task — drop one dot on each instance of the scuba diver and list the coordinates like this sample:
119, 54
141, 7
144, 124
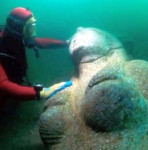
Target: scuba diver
18, 34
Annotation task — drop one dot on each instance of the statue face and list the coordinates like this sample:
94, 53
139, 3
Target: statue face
109, 109
103, 113
88, 44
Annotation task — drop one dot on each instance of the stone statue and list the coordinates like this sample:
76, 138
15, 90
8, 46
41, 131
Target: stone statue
106, 106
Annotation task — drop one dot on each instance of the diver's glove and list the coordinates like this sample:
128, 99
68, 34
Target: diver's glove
46, 93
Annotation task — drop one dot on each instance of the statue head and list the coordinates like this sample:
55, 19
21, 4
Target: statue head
89, 44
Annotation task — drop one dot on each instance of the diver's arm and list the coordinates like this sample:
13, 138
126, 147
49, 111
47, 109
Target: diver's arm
13, 89
50, 43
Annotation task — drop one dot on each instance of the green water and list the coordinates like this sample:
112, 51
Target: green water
59, 19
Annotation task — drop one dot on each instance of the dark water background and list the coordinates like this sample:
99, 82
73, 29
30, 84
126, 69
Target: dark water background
127, 19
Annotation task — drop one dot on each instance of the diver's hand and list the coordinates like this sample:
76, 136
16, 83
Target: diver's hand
45, 93
50, 91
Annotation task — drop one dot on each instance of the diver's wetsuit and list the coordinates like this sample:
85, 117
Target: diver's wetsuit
12, 70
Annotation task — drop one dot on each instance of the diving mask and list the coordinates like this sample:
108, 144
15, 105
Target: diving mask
29, 28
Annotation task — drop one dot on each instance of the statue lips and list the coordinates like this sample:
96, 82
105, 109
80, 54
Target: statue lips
51, 125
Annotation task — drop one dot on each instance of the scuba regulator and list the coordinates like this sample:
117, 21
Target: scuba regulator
30, 43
